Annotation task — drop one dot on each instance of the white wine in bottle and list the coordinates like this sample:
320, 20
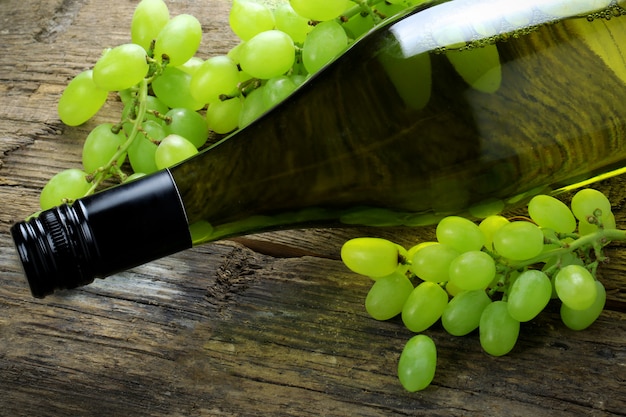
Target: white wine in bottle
452, 106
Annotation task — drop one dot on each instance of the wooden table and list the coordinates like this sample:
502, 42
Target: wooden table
271, 325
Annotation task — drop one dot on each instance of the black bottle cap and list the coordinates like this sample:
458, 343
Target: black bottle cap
117, 229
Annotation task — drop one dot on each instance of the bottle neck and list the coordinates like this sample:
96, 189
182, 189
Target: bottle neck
126, 226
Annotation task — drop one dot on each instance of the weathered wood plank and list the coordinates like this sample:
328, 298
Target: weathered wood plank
272, 324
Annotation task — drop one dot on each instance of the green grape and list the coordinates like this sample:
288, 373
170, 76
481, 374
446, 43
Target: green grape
272, 44
417, 364
323, 44
67, 185
432, 262
424, 306
223, 116
121, 67
192, 65
142, 150
252, 108
172, 150
414, 249
179, 39
387, 296
581, 319
473, 270
277, 89
80, 100
462, 314
319, 10
489, 225
188, 124
529, 295
550, 213
585, 202
608, 222
479, 67
358, 25
149, 18
460, 233
216, 76
248, 18
134, 176
298, 79
575, 287
389, 8
370, 256
518, 241
100, 146
173, 88
497, 329
294, 25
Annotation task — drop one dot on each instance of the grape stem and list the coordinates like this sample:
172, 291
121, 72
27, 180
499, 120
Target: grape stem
103, 172
595, 240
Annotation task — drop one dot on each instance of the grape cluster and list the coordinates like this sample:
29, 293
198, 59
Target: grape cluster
174, 99
489, 276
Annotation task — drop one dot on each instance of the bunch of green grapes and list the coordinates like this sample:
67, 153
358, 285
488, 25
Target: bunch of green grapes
174, 99
489, 276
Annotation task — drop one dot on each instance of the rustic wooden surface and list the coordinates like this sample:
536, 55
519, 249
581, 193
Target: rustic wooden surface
270, 325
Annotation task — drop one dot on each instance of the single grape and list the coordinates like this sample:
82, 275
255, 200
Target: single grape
369, 256
473, 270
67, 185
149, 18
248, 18
359, 24
134, 176
581, 319
417, 364
173, 88
252, 108
575, 287
585, 202
489, 225
414, 249
550, 213
188, 124
460, 233
100, 146
216, 76
80, 100
518, 241
387, 296
529, 295
192, 65
432, 263
223, 116
277, 89
323, 44
179, 39
268, 54
294, 25
142, 150
608, 222
319, 10
462, 314
121, 67
424, 306
172, 150
497, 329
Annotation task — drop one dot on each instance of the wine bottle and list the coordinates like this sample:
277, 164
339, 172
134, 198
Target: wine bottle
452, 106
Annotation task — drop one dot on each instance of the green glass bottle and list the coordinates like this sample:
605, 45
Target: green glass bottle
451, 108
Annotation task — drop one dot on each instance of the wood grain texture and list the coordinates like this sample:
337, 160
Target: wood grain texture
268, 325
